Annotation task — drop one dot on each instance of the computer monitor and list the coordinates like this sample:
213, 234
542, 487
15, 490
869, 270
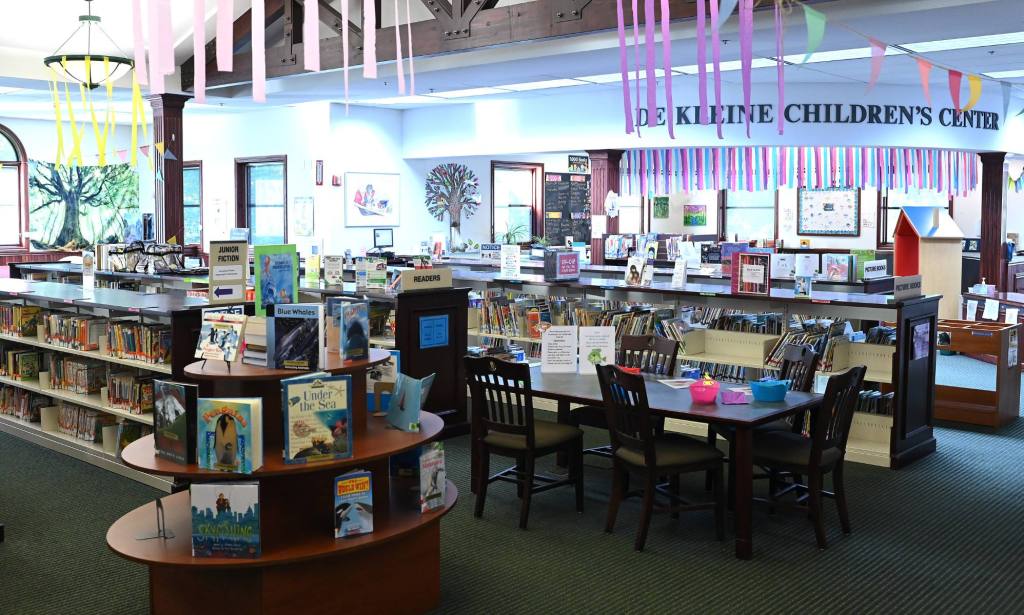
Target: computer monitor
383, 237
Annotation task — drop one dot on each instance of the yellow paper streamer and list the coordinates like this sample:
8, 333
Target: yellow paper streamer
974, 82
76, 133
55, 95
101, 136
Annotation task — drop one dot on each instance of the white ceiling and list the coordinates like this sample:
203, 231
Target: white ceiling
45, 23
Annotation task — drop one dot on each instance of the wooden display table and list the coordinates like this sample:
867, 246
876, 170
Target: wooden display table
974, 406
394, 569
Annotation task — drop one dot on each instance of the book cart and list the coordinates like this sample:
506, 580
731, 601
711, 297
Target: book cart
181, 313
301, 566
976, 406
889, 441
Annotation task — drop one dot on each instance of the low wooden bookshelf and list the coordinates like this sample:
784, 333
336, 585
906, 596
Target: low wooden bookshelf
301, 563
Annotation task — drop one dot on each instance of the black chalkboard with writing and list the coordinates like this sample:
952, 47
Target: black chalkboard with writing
566, 207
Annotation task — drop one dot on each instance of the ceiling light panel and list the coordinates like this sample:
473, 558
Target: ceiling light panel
543, 85
469, 92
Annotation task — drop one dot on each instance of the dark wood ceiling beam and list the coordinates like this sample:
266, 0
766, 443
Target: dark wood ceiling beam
330, 16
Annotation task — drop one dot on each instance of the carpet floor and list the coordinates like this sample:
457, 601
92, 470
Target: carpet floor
939, 536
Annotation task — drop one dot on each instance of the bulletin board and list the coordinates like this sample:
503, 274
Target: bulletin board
829, 212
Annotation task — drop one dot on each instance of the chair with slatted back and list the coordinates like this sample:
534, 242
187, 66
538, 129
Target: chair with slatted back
786, 454
639, 446
503, 424
652, 354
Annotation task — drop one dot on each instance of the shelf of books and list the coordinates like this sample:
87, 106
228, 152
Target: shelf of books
736, 338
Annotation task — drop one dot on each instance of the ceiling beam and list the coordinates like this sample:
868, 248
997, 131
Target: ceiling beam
529, 21
333, 19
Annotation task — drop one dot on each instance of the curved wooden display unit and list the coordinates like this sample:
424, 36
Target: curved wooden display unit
302, 565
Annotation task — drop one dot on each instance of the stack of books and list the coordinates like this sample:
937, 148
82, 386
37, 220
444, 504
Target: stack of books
255, 336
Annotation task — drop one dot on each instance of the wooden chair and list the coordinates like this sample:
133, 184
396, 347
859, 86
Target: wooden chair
638, 446
653, 354
503, 424
786, 454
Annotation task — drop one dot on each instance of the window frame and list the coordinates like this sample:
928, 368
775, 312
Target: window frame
242, 189
193, 164
22, 165
537, 207
723, 215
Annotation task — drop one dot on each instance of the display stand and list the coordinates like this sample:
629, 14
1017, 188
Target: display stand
301, 564
973, 405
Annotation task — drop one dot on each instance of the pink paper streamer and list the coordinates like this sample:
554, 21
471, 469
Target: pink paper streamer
408, 49
668, 170
344, 49
700, 170
627, 103
764, 167
702, 60
780, 173
848, 167
140, 43
369, 40
643, 172
748, 154
657, 170
666, 60
780, 66
311, 37
199, 49
225, 36
259, 52
746, 53
877, 57
833, 163
399, 65
685, 164
166, 37
715, 171
716, 59
636, 60
652, 80
156, 50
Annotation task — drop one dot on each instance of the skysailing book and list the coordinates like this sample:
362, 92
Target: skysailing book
225, 520
317, 411
277, 276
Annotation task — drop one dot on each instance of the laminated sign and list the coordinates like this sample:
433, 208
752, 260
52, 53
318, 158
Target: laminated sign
229, 268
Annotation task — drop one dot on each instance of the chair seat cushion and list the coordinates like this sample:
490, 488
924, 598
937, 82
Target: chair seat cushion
781, 448
729, 432
545, 435
671, 451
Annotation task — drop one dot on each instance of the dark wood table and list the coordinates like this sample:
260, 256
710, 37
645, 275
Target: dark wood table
567, 389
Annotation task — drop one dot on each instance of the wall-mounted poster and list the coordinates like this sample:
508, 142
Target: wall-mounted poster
74, 208
660, 209
830, 211
371, 199
579, 164
695, 215
302, 215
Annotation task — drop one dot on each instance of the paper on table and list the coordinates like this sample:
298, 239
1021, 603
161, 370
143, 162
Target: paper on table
991, 311
510, 255
972, 308
678, 383
1011, 315
558, 350
596, 347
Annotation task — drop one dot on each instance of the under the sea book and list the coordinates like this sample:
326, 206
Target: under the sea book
317, 411
225, 519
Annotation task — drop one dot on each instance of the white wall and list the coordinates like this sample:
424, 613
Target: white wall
867, 240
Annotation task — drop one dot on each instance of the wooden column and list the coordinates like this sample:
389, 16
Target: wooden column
993, 219
604, 169
168, 191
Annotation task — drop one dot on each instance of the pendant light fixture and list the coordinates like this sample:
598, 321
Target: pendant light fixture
77, 60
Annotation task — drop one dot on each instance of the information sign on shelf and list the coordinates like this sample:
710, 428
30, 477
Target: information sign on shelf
906, 287
88, 272
876, 269
433, 331
424, 279
679, 273
229, 264
510, 256
558, 350
490, 251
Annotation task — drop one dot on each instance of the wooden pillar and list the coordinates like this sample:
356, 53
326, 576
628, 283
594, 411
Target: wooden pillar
604, 177
993, 219
168, 191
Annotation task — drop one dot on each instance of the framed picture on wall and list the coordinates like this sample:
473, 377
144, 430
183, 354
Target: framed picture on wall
828, 211
695, 215
371, 199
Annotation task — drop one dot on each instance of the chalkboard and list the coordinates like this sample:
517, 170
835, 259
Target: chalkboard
566, 207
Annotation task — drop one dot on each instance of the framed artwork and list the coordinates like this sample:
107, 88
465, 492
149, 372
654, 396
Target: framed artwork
660, 209
829, 211
695, 215
371, 199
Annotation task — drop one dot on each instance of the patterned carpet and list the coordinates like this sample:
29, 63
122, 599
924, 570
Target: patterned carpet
940, 535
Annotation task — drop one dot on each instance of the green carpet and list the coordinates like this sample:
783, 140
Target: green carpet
940, 535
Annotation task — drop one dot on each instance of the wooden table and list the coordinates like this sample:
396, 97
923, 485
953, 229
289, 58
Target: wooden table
569, 389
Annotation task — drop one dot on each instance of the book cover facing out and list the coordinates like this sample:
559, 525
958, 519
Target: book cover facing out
317, 417
225, 519
406, 402
230, 435
432, 476
353, 504
355, 332
378, 380
220, 336
277, 276
295, 336
174, 420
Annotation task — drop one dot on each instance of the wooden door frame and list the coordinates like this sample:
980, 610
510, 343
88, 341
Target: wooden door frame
537, 213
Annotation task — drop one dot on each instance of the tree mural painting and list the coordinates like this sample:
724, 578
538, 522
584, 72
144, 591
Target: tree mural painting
76, 207
452, 189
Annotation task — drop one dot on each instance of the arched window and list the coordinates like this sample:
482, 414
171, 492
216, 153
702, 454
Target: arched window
13, 191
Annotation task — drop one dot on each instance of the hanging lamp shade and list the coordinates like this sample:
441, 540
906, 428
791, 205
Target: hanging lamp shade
81, 56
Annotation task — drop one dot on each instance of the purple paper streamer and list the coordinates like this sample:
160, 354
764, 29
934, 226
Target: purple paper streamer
716, 59
627, 103
666, 60
702, 60
636, 60
780, 67
649, 47
746, 53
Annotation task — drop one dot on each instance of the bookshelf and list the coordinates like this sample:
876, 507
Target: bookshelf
300, 561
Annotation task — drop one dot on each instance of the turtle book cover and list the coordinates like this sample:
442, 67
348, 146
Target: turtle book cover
230, 437
317, 412
174, 420
277, 275
295, 337
353, 504
225, 520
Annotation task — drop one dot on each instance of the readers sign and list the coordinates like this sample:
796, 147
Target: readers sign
906, 287
425, 279
229, 265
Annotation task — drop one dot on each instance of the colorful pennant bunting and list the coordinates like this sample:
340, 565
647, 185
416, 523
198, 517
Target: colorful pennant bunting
924, 69
877, 57
974, 84
955, 78
816, 21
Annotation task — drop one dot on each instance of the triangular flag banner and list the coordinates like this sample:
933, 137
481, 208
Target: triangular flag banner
974, 82
877, 57
159, 146
955, 77
924, 69
159, 175
816, 21
1007, 92
123, 155
145, 150
725, 10
169, 155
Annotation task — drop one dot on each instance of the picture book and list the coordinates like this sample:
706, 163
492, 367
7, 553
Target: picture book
312, 267
333, 269
729, 248
639, 272
332, 324
407, 401
783, 265
353, 504
230, 434
837, 267
432, 476
295, 337
128, 432
380, 382
355, 331
860, 257
225, 519
750, 273
277, 276
317, 410
174, 420
220, 336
